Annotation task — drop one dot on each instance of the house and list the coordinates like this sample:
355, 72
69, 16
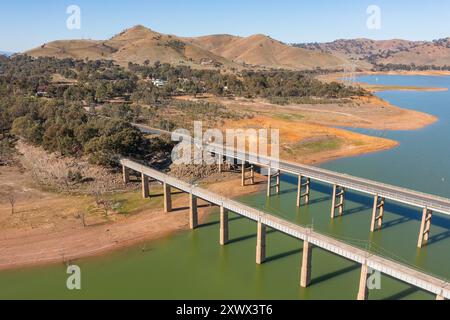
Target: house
41, 91
158, 82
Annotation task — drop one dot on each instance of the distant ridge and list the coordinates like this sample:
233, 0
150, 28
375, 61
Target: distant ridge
5, 53
396, 51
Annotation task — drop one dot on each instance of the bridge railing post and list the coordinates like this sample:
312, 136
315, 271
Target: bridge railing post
145, 186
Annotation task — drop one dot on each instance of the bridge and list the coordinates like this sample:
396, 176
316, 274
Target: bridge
438, 287
341, 183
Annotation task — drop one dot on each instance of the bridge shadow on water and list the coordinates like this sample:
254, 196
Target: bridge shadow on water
403, 294
283, 255
335, 274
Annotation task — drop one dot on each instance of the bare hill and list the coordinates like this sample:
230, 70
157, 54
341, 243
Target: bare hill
139, 44
261, 50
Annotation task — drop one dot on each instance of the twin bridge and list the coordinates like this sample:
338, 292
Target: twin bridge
310, 238
426, 203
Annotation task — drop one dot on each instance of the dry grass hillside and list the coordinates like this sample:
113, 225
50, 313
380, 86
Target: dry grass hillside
396, 51
261, 50
139, 44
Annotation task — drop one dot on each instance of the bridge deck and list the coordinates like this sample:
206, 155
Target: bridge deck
398, 194
391, 268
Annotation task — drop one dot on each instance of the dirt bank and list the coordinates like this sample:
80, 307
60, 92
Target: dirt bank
45, 227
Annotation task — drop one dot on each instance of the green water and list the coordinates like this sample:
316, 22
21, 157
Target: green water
192, 265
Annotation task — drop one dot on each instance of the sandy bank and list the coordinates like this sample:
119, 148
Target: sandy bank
49, 240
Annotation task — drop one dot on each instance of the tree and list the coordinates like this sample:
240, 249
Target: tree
12, 201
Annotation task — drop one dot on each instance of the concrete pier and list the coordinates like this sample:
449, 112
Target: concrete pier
126, 175
338, 201
261, 244
377, 213
245, 169
438, 287
224, 233
440, 298
145, 186
305, 274
193, 212
425, 227
167, 198
277, 185
363, 293
306, 194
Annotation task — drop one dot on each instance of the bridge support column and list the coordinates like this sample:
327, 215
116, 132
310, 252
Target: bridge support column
167, 198
261, 244
338, 194
307, 193
269, 182
220, 163
244, 174
363, 293
377, 213
145, 186
425, 227
126, 175
440, 298
224, 234
305, 274
193, 212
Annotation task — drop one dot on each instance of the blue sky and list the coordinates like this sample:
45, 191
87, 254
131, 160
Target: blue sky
28, 23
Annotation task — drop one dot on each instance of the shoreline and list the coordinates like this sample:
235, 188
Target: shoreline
24, 249
379, 88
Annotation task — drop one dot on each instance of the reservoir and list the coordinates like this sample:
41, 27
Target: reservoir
192, 265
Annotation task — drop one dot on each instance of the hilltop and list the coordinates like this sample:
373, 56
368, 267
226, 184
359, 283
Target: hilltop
140, 44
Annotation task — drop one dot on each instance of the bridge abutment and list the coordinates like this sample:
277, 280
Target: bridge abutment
425, 227
363, 293
305, 273
338, 201
224, 232
377, 213
261, 243
167, 198
193, 212
306, 194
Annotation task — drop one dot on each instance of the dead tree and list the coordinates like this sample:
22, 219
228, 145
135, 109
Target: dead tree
12, 202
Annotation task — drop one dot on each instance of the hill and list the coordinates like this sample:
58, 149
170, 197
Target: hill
261, 50
140, 44
420, 53
137, 45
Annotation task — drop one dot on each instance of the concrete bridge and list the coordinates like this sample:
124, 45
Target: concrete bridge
439, 288
427, 203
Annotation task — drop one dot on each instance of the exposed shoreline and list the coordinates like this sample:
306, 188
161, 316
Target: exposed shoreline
39, 247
